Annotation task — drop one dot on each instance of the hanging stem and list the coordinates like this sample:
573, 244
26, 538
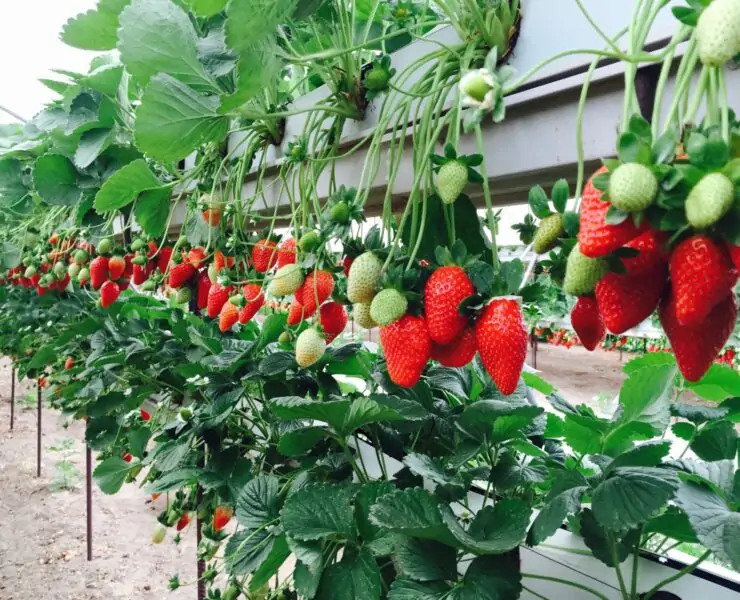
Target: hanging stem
487, 198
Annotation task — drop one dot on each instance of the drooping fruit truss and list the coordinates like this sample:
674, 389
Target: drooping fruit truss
184, 224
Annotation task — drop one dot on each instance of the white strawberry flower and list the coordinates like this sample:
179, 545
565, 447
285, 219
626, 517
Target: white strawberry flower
477, 89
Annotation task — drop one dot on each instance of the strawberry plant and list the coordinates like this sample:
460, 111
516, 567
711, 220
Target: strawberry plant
194, 314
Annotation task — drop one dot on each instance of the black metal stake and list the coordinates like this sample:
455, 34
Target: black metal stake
201, 563
38, 440
12, 398
88, 492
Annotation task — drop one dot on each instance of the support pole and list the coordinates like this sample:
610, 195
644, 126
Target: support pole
38, 436
88, 492
12, 397
201, 563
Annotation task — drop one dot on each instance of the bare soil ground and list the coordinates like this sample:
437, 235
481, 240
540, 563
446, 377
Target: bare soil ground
580, 375
42, 532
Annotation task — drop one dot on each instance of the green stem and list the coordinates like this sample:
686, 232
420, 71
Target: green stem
487, 197
685, 571
565, 582
617, 568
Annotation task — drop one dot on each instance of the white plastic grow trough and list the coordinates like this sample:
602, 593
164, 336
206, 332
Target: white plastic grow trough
710, 581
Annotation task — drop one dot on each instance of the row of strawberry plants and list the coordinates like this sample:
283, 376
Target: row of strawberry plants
234, 324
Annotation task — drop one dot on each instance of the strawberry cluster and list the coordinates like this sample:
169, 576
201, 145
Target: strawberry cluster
690, 282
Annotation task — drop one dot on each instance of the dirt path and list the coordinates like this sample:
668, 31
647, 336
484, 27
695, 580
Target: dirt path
581, 375
42, 532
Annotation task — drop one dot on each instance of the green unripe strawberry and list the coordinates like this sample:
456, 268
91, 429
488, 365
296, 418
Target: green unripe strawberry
83, 275
60, 269
388, 306
105, 246
30, 272
550, 229
160, 532
309, 347
183, 295
232, 593
73, 270
377, 79
147, 286
284, 337
632, 187
81, 257
709, 200
137, 244
451, 180
286, 281
582, 273
139, 259
186, 414
361, 315
364, 277
212, 273
309, 241
718, 32
340, 213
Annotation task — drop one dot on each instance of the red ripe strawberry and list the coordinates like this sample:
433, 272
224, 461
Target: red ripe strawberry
255, 299
127, 457
652, 248
140, 274
596, 238
221, 517
407, 349
69, 363
346, 264
316, 288
295, 313
109, 293
459, 352
587, 322
196, 257
702, 275
116, 267
129, 269
212, 216
221, 262
734, 252
286, 254
445, 289
218, 295
183, 522
228, 317
333, 318
204, 287
152, 245
502, 342
180, 274
145, 415
696, 346
163, 259
98, 271
264, 255
625, 301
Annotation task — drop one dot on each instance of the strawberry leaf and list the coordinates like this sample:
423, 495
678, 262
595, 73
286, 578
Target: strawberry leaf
687, 16
641, 128
614, 216
560, 195
664, 148
539, 203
